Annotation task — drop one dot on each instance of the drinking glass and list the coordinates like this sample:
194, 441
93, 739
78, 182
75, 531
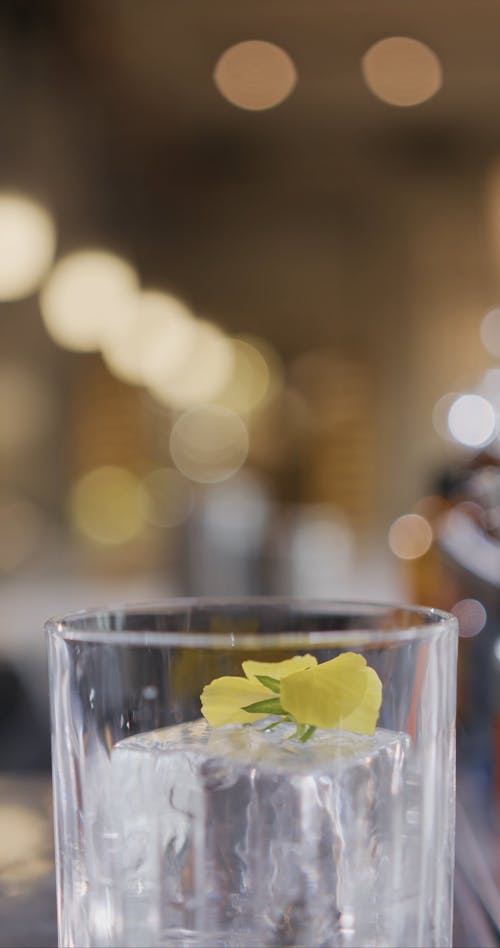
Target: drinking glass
290, 823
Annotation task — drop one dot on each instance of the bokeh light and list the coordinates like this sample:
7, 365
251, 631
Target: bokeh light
87, 297
23, 834
154, 338
410, 536
471, 616
255, 75
121, 351
402, 71
169, 497
169, 333
250, 381
490, 331
209, 444
202, 374
27, 245
472, 420
107, 505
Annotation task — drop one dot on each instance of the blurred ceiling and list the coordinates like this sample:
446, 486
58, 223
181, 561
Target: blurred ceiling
158, 56
333, 220
262, 220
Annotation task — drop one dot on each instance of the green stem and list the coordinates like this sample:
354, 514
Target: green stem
303, 732
308, 733
267, 706
269, 727
271, 683
297, 736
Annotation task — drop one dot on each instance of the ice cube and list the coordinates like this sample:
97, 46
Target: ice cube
236, 836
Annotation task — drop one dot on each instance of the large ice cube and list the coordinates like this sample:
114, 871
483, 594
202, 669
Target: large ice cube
236, 836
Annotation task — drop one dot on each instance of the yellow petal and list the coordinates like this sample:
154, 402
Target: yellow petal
278, 670
364, 718
327, 694
223, 699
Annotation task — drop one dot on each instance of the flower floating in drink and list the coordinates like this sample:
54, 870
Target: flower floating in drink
343, 693
288, 810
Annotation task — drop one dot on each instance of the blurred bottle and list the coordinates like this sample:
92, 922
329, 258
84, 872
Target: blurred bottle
227, 539
461, 573
316, 552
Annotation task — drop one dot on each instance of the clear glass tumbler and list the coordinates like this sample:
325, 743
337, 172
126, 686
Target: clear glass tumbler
311, 803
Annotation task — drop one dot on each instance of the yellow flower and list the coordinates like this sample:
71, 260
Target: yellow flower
342, 693
223, 700
279, 670
364, 718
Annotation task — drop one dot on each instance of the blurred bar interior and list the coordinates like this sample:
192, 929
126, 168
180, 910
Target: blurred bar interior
249, 318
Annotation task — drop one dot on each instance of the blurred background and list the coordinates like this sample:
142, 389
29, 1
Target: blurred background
249, 318
249, 271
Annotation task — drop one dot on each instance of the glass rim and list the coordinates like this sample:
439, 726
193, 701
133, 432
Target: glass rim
429, 623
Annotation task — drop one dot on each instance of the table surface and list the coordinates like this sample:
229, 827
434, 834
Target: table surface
27, 883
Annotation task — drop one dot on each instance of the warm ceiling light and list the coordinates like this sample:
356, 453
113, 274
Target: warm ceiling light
152, 340
27, 245
251, 377
402, 71
202, 373
255, 75
87, 293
